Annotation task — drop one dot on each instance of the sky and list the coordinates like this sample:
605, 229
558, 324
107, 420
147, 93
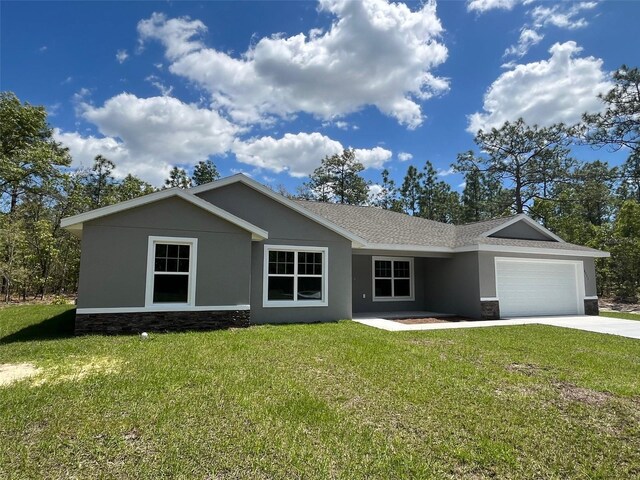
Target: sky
270, 88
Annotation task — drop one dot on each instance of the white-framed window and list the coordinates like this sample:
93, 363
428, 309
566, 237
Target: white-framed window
171, 271
295, 276
392, 279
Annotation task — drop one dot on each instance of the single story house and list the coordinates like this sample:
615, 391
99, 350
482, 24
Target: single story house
233, 251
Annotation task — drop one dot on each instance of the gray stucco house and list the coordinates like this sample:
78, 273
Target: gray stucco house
233, 251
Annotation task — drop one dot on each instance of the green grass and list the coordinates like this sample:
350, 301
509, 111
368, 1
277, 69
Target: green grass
318, 401
627, 316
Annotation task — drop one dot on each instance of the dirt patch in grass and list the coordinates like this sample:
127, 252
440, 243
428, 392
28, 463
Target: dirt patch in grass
527, 369
12, 372
613, 305
80, 370
573, 393
418, 321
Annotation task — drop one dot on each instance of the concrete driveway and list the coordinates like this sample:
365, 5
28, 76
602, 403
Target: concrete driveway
611, 326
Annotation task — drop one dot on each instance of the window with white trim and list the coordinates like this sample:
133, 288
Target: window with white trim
295, 276
392, 278
171, 271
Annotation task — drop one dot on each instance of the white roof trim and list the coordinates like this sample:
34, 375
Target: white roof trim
532, 251
524, 218
486, 248
355, 239
75, 222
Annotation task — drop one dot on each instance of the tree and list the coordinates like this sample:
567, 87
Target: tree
388, 197
132, 187
411, 191
204, 172
177, 178
28, 154
338, 179
100, 182
437, 201
528, 159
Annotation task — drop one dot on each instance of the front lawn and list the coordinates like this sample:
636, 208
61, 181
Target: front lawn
318, 401
627, 316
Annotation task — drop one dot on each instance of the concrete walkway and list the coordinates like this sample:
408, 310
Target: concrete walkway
611, 326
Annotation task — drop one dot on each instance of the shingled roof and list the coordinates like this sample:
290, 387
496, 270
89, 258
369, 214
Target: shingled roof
383, 227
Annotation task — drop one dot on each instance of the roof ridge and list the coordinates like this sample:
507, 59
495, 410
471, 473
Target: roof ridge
488, 220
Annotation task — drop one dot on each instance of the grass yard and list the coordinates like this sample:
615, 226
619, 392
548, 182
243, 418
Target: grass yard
627, 316
318, 401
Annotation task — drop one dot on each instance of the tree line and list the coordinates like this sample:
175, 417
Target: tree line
516, 168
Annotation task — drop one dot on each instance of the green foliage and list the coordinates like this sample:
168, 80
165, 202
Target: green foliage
178, 178
338, 179
204, 172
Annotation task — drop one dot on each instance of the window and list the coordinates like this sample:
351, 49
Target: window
392, 279
295, 276
171, 271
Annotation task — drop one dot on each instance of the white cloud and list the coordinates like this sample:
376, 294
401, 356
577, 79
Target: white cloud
528, 38
121, 56
446, 173
374, 53
145, 136
299, 154
156, 82
404, 156
559, 89
482, 6
562, 16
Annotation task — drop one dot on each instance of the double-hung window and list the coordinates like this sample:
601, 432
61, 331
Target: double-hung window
295, 276
392, 279
171, 272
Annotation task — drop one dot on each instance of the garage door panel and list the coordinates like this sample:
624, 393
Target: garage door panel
537, 287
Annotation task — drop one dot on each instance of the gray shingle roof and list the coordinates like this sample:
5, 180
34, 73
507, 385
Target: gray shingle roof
384, 227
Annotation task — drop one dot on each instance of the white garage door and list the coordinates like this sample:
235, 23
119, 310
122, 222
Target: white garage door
539, 287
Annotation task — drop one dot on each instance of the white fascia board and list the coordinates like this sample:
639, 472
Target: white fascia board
524, 218
405, 248
163, 308
75, 222
355, 239
533, 251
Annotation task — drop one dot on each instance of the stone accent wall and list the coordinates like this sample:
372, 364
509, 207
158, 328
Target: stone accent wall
490, 310
591, 307
127, 323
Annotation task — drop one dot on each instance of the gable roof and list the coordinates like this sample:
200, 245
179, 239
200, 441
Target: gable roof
74, 223
387, 230
356, 240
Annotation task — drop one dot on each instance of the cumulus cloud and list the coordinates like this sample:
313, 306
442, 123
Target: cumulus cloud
559, 89
528, 38
299, 154
145, 136
121, 56
404, 156
374, 53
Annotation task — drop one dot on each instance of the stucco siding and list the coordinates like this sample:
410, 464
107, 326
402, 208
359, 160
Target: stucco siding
521, 230
287, 227
363, 287
114, 255
452, 285
488, 272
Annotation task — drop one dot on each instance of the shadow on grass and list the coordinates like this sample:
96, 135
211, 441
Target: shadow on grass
53, 328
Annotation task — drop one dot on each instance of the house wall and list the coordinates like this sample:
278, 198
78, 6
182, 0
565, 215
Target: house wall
452, 285
113, 264
362, 268
521, 230
488, 271
287, 227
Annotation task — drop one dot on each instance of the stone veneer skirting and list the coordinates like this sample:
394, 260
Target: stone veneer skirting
490, 310
591, 307
123, 323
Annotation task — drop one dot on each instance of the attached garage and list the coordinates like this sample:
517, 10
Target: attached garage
529, 287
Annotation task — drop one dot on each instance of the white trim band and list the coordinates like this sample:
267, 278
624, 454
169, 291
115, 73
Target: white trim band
593, 297
178, 308
489, 299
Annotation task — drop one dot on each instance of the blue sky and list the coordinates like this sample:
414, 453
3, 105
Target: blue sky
269, 88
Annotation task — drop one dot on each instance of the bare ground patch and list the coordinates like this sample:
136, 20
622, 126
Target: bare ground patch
418, 321
79, 370
12, 372
573, 393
